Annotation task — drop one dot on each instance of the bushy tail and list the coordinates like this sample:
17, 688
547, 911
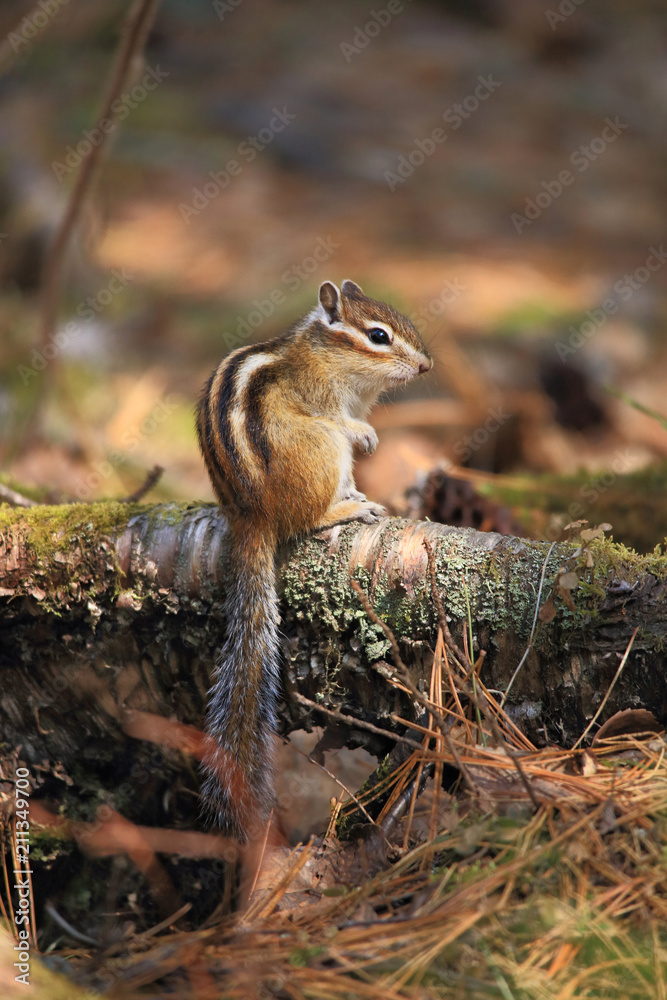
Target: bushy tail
238, 789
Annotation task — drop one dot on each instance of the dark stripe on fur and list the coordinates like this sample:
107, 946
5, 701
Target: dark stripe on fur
256, 418
205, 434
220, 407
326, 336
347, 340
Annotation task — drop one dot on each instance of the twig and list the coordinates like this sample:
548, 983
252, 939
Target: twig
259, 859
484, 709
137, 26
532, 631
148, 484
16, 499
397, 810
435, 693
471, 672
641, 407
350, 720
151, 932
405, 676
353, 797
263, 906
69, 930
609, 690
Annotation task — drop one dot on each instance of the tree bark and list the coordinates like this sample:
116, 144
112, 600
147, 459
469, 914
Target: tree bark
108, 607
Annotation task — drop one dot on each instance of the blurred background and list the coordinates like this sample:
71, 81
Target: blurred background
493, 168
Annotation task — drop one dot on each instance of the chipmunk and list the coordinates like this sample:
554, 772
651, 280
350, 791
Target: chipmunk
278, 425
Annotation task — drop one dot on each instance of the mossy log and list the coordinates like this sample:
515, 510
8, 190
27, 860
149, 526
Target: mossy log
106, 608
634, 504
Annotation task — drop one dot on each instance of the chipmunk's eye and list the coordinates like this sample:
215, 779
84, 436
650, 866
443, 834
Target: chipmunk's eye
378, 336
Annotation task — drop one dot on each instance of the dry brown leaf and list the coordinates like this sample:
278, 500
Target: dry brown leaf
630, 720
547, 612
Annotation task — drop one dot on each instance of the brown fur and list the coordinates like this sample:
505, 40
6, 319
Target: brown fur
278, 425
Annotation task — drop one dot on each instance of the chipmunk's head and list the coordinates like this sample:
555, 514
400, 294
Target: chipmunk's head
378, 343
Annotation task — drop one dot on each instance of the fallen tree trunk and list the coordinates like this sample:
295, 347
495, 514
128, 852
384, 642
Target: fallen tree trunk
108, 607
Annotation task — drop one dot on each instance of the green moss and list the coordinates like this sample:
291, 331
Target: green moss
591, 591
170, 514
48, 530
615, 559
628, 502
47, 843
52, 529
60, 538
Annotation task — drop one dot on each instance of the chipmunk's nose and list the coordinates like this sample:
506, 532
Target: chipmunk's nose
425, 365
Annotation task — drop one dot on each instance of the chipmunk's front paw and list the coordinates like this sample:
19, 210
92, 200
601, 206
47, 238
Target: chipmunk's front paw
367, 442
370, 512
362, 435
347, 510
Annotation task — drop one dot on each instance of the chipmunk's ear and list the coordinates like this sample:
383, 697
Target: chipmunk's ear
330, 300
351, 288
